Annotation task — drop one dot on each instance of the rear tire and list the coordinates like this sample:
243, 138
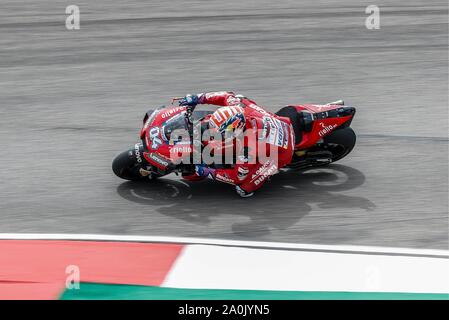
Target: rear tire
340, 142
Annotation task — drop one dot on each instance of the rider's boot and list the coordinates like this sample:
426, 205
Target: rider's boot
243, 193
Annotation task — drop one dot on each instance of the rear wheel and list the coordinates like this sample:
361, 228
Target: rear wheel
340, 143
334, 147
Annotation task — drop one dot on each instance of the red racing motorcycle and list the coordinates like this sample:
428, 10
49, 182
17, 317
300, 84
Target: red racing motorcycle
322, 135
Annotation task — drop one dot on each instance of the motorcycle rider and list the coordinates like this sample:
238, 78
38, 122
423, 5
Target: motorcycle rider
236, 115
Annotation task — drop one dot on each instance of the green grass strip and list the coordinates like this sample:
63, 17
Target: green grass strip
97, 291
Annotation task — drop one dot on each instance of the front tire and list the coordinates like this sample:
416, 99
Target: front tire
127, 164
125, 167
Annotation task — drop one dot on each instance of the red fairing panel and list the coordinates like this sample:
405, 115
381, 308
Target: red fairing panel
320, 127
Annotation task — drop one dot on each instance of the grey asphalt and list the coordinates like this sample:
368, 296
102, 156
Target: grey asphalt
71, 100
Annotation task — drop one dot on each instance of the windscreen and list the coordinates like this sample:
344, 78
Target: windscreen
175, 123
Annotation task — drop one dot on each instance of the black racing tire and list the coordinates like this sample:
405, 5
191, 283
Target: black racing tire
340, 142
125, 166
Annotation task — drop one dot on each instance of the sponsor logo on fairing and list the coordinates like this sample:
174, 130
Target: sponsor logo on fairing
174, 118
157, 159
271, 171
181, 149
274, 131
268, 169
260, 170
137, 152
326, 129
171, 112
285, 141
280, 136
174, 142
224, 178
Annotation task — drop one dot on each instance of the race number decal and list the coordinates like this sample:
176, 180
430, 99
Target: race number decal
154, 137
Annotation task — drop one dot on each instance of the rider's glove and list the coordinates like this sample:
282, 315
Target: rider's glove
203, 171
190, 100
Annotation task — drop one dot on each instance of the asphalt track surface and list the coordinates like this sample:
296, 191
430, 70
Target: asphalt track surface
71, 100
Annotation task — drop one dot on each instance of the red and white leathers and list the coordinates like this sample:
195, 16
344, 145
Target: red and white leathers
277, 135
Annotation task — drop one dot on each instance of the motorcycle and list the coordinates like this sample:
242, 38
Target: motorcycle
322, 135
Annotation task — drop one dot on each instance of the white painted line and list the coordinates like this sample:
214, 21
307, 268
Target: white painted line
218, 267
224, 242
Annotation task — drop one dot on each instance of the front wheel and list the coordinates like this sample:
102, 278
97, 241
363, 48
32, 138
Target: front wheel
128, 164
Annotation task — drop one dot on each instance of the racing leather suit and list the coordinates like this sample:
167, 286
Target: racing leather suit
273, 131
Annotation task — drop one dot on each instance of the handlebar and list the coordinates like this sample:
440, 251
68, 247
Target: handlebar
189, 109
175, 99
